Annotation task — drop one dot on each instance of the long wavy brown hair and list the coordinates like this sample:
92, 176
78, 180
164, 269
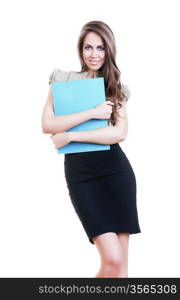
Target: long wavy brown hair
109, 70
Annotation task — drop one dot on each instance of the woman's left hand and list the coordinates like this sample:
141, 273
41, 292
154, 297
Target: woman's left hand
60, 139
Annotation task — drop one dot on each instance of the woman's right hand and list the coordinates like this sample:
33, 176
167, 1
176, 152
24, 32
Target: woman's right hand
103, 110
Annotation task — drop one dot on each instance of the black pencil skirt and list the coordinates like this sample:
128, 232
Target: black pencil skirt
102, 189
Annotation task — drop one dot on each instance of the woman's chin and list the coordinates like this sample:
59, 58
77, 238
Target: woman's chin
93, 68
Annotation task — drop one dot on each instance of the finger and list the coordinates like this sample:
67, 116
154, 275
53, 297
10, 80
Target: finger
110, 102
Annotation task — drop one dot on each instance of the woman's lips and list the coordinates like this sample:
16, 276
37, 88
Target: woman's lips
94, 62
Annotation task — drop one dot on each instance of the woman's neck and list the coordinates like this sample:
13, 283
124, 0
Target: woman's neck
91, 74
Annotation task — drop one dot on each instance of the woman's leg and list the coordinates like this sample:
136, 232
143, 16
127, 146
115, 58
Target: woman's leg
111, 254
124, 243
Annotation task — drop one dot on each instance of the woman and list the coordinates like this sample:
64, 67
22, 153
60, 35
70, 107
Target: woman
102, 184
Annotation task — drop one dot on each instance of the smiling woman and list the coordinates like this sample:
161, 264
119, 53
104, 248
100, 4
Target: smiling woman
93, 52
97, 53
101, 184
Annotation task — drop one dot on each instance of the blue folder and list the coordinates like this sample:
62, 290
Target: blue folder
76, 96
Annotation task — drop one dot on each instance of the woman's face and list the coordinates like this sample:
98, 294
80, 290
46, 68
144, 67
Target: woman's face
93, 52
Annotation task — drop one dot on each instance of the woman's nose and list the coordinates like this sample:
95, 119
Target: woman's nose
94, 53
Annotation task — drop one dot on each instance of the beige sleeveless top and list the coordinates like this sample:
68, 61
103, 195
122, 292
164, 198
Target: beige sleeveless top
60, 75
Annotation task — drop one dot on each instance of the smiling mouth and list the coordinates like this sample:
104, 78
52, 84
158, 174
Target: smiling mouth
94, 62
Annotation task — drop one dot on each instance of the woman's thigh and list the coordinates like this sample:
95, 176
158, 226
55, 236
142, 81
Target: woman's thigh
109, 247
124, 242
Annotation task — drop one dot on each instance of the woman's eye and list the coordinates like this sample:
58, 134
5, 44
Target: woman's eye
101, 48
87, 47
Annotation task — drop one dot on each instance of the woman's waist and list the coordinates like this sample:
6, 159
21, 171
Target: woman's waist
91, 156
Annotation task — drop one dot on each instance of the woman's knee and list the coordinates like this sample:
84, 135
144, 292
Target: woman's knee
113, 262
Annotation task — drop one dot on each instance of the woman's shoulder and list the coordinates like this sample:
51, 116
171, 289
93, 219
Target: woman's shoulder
126, 90
61, 75
58, 75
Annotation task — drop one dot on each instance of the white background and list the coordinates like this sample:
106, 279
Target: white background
40, 233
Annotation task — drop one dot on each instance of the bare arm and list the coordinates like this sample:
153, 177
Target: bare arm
108, 135
54, 124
